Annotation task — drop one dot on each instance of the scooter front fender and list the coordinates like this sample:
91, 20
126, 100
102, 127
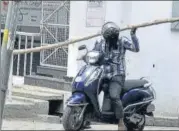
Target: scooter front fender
77, 99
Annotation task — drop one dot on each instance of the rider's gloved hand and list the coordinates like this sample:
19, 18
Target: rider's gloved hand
81, 58
133, 31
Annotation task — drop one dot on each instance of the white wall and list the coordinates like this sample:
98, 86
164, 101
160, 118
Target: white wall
159, 46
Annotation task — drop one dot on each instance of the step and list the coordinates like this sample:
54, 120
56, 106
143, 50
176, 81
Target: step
41, 117
56, 98
43, 81
39, 122
37, 92
56, 72
49, 118
21, 107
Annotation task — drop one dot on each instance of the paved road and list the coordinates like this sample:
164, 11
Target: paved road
30, 124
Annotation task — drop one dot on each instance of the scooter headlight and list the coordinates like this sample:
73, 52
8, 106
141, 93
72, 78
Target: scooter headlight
92, 57
93, 77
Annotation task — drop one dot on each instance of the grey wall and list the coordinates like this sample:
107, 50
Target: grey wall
175, 13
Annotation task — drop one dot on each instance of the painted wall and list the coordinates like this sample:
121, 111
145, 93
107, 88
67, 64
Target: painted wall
159, 46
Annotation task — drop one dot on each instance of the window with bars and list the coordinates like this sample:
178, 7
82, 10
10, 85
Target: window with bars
175, 13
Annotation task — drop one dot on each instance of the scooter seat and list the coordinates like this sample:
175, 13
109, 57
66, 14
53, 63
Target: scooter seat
132, 84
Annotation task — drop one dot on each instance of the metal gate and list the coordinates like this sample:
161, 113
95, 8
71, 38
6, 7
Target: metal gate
54, 28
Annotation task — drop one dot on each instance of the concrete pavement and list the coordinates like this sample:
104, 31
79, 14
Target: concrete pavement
52, 123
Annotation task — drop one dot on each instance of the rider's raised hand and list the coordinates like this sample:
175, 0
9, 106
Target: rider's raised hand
133, 31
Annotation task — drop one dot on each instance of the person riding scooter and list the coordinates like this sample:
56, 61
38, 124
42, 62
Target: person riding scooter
110, 45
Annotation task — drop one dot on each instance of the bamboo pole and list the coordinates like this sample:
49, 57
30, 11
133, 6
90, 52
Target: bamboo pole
57, 45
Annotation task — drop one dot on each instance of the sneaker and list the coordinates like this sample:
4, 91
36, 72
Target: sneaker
121, 126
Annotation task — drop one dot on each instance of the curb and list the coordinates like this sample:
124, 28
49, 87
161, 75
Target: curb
162, 121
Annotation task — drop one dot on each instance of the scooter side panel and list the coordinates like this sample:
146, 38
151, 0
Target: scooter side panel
79, 81
77, 98
135, 96
90, 90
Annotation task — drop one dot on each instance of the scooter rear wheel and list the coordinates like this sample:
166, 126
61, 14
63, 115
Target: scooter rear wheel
132, 127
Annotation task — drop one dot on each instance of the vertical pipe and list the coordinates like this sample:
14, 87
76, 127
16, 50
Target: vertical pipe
25, 56
6, 54
10, 81
0, 43
18, 58
56, 36
42, 35
0, 24
4, 61
31, 54
1, 91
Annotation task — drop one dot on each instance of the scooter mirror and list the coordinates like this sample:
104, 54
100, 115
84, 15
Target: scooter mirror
82, 47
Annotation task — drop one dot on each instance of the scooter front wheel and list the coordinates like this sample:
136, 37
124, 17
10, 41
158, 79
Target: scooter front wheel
71, 120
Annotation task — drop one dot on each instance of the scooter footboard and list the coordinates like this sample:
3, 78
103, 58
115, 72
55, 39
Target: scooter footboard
77, 99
